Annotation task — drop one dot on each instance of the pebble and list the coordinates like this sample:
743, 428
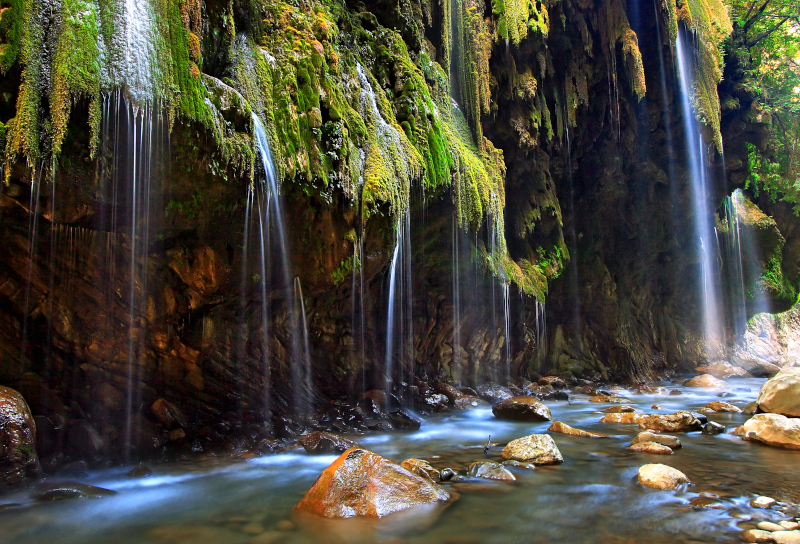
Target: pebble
762, 502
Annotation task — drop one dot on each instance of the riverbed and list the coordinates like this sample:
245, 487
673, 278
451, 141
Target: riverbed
593, 496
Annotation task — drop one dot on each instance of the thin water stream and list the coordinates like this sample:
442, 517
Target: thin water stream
592, 497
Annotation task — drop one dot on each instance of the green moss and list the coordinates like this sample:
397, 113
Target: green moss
12, 16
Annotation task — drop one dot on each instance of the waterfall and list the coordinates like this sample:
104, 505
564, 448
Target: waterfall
399, 322
702, 216
456, 367
357, 322
507, 322
302, 378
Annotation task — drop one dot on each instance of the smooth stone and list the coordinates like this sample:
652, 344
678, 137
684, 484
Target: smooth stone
446, 474
661, 477
522, 408
789, 525
719, 406
650, 447
762, 502
712, 428
17, 438
781, 393
757, 536
619, 409
69, 490
362, 483
563, 428
421, 468
773, 430
319, 442
539, 449
667, 440
769, 526
490, 471
705, 380
786, 537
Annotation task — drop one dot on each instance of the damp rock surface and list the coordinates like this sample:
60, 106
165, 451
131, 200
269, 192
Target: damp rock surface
522, 408
774, 430
17, 438
539, 449
563, 428
661, 477
326, 443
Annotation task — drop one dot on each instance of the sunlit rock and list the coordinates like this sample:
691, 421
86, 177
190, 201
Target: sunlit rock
539, 449
362, 483
781, 394
490, 471
325, 443
650, 447
619, 409
669, 441
719, 406
521, 408
421, 468
773, 430
662, 477
563, 428
705, 380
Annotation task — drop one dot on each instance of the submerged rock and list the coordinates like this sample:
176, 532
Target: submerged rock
421, 468
773, 430
539, 449
325, 443
563, 428
17, 438
650, 447
661, 477
69, 490
719, 406
781, 394
669, 441
362, 483
490, 471
705, 380
521, 408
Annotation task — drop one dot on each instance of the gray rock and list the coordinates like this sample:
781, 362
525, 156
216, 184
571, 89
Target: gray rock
712, 428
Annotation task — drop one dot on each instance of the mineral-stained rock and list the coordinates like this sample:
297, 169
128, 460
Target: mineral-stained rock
650, 447
490, 471
705, 380
325, 443
521, 408
421, 468
773, 430
781, 394
17, 438
669, 441
719, 406
563, 428
539, 449
69, 490
619, 409
662, 477
362, 483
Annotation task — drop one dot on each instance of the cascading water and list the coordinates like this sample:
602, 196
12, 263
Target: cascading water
456, 257
734, 268
702, 216
302, 374
399, 320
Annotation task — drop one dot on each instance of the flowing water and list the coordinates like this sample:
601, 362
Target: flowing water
399, 321
592, 497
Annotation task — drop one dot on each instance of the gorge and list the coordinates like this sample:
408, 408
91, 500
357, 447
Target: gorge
230, 225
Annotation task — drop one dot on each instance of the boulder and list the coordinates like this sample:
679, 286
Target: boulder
17, 438
619, 409
669, 441
712, 428
362, 483
449, 391
319, 442
722, 369
650, 447
554, 381
539, 449
521, 408
773, 430
677, 422
563, 428
705, 380
421, 468
781, 394
490, 471
662, 477
719, 406
493, 393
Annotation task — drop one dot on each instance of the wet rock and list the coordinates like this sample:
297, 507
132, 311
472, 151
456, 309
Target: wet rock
539, 449
17, 438
554, 395
518, 464
69, 490
781, 394
369, 408
267, 445
789, 525
769, 526
676, 392
470, 392
422, 468
176, 434
773, 430
403, 419
625, 418
377, 395
723, 369
657, 407
608, 398
319, 442
750, 408
553, 381
493, 393
705, 380
669, 441
677, 422
712, 428
490, 471
465, 402
651, 447
449, 391
141, 471
619, 409
522, 409
757, 536
763, 502
436, 403
719, 406
362, 483
786, 537
446, 474
85, 439
585, 390
168, 414
563, 428
661, 477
